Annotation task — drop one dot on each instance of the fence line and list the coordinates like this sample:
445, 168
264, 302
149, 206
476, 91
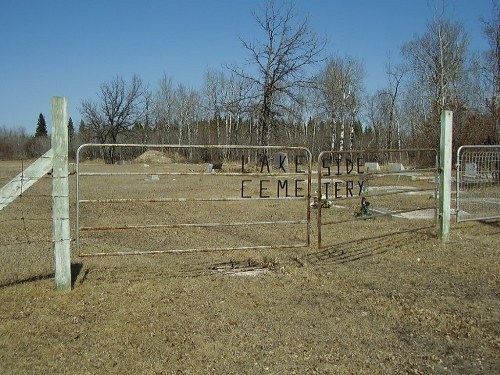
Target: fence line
56, 159
26, 178
26, 228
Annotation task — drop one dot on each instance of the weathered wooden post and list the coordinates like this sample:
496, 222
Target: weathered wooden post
445, 175
60, 195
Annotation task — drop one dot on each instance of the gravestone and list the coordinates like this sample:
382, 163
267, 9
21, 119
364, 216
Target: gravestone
470, 169
395, 167
372, 167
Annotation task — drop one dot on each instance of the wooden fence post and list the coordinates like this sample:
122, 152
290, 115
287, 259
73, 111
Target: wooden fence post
445, 175
60, 195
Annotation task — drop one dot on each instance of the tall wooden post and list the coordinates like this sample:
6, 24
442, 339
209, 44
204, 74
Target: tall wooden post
60, 195
445, 175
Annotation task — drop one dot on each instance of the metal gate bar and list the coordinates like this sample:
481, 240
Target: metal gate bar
306, 174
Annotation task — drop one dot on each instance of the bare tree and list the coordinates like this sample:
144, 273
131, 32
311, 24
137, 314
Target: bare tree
119, 107
148, 116
225, 102
187, 113
437, 63
215, 97
163, 109
280, 62
395, 76
376, 119
236, 108
492, 66
341, 86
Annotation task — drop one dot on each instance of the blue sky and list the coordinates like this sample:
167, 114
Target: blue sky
70, 47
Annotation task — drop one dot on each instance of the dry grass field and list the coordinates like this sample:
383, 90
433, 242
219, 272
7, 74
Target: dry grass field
381, 296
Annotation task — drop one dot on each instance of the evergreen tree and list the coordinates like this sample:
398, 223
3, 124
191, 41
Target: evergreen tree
82, 127
41, 127
71, 129
83, 132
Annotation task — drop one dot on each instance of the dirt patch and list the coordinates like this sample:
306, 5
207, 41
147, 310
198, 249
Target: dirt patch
382, 296
153, 156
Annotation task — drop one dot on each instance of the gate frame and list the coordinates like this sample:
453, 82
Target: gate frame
458, 175
319, 178
306, 198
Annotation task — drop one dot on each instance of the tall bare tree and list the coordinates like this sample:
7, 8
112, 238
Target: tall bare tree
395, 76
187, 113
437, 63
377, 112
215, 94
119, 106
280, 62
341, 87
163, 110
492, 65
236, 107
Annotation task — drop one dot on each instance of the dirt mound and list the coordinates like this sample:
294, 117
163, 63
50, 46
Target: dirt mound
154, 157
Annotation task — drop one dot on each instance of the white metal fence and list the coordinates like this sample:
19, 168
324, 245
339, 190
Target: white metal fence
478, 182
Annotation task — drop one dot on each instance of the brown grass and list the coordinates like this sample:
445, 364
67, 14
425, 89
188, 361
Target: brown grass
383, 296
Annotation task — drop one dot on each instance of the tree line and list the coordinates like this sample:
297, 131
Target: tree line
289, 92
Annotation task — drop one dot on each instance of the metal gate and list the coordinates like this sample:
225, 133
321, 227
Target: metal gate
186, 198
478, 182
354, 186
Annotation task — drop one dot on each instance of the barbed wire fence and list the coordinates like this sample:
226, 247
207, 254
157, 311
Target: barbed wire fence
26, 227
